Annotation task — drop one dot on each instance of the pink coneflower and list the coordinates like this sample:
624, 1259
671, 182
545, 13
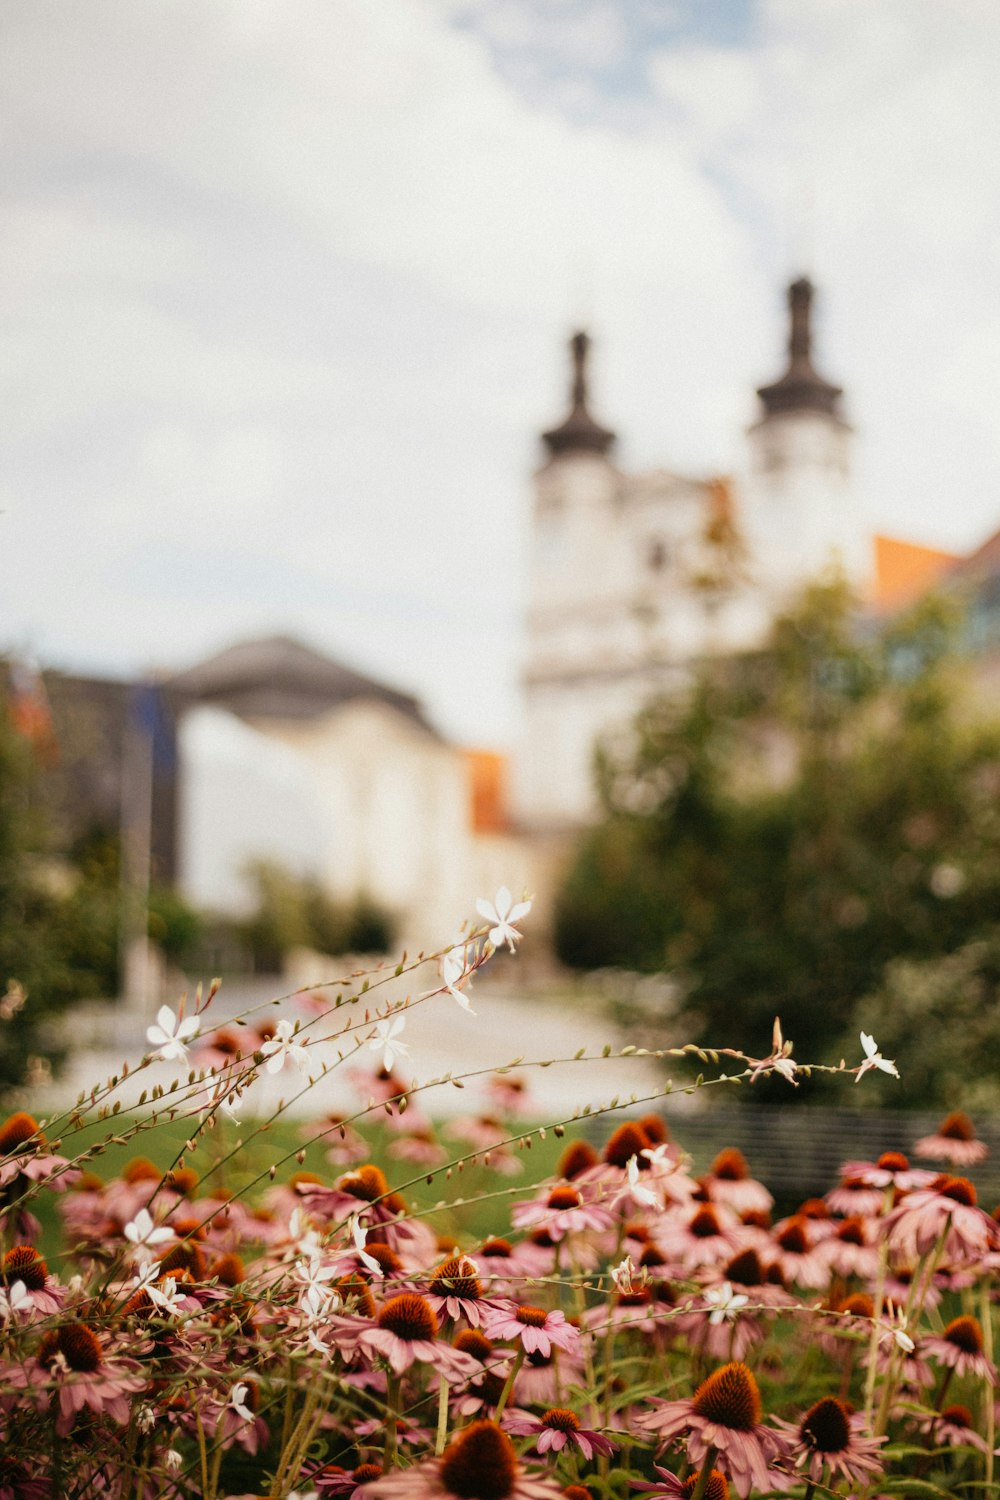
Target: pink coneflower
561, 1211
405, 1332
485, 1389
829, 1438
479, 1465
76, 1370
850, 1252
954, 1141
729, 1181
891, 1170
952, 1427
26, 1265
960, 1348
331, 1479
723, 1416
22, 1155
455, 1291
535, 1329
855, 1198
916, 1224
554, 1429
707, 1237
536, 1383
669, 1486
797, 1257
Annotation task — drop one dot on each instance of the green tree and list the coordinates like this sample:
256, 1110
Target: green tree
798, 821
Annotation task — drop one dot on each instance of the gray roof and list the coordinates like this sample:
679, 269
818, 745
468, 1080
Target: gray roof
282, 678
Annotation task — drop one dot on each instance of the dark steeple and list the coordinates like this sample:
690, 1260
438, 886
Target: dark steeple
801, 388
579, 433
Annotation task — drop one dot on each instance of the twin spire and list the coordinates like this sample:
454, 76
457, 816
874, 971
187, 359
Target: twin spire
800, 388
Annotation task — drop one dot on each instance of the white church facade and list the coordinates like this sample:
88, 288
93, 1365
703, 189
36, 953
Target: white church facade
635, 577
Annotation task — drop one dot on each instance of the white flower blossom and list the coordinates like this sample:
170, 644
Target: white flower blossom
173, 1461
725, 1303
639, 1193
455, 972
144, 1234
874, 1059
171, 1034
503, 912
164, 1294
15, 1300
237, 1400
312, 1277
359, 1234
282, 1048
384, 1041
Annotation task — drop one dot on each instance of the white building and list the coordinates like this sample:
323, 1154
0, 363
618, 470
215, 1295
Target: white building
636, 576
288, 756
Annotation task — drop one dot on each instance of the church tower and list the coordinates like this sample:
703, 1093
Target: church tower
798, 512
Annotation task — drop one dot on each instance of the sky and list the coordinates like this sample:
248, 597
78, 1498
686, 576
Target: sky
285, 289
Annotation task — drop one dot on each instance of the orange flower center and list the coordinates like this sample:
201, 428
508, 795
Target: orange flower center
966, 1334
456, 1278
960, 1189
17, 1130
627, 1141
745, 1268
826, 1427
731, 1166
957, 1127
564, 1197
893, 1161
408, 1317
531, 1317
480, 1464
730, 1397
24, 1264
561, 1420
367, 1183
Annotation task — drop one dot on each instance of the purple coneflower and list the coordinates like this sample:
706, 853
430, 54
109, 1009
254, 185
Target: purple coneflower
561, 1211
723, 1418
479, 1465
947, 1209
534, 1328
954, 1141
554, 1429
952, 1427
455, 1291
960, 1348
729, 1181
829, 1438
669, 1486
405, 1331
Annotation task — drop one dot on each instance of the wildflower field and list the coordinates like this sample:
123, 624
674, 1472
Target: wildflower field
198, 1303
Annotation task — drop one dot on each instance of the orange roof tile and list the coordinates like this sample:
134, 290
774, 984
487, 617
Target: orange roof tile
905, 570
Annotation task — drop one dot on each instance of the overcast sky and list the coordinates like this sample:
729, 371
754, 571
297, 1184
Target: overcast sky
285, 287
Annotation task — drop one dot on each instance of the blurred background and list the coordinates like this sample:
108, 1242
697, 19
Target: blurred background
542, 442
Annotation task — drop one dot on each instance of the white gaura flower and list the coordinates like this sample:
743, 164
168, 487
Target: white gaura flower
874, 1059
282, 1048
503, 913
171, 1034
15, 1302
725, 1303
164, 1294
455, 973
384, 1041
359, 1235
237, 1400
143, 1234
640, 1193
